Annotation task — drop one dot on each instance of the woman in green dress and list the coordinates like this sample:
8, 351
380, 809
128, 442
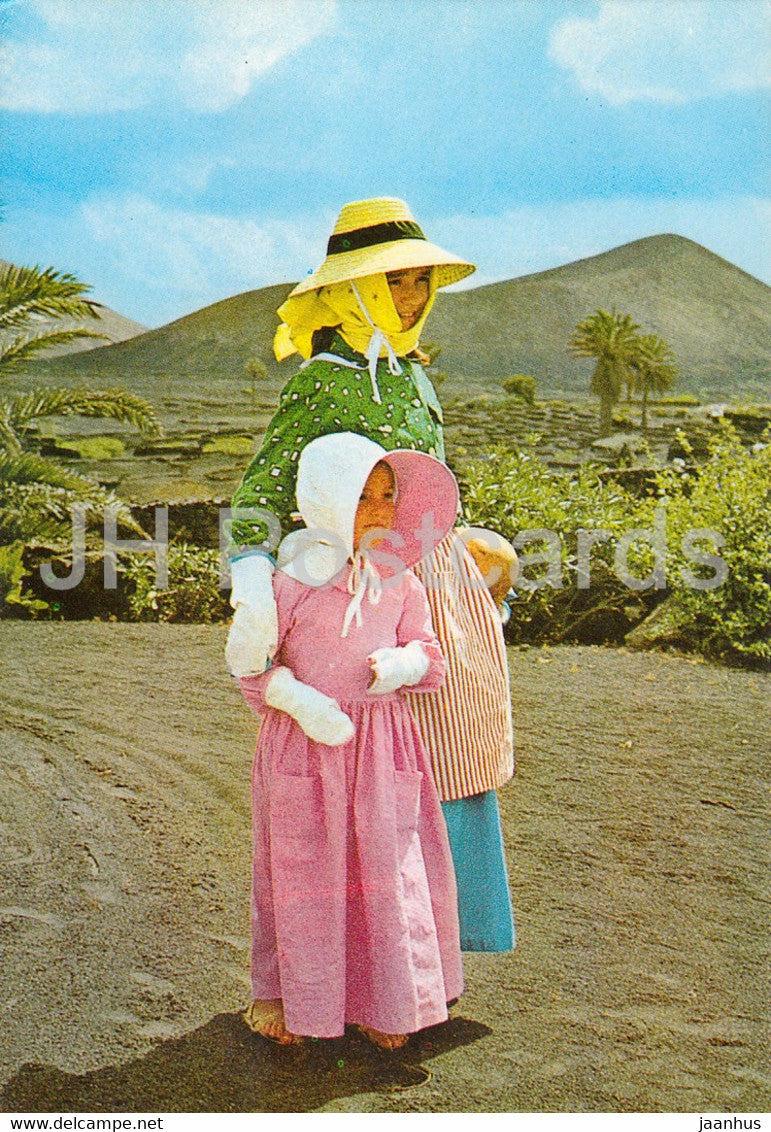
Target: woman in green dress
357, 322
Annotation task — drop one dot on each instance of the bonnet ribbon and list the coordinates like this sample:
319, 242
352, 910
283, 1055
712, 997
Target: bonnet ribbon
363, 578
372, 353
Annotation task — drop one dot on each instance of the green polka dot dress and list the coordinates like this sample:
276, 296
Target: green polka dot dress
325, 397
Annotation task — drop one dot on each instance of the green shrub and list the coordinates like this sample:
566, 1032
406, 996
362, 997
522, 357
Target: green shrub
192, 594
687, 399
92, 448
512, 492
521, 386
12, 575
230, 445
731, 496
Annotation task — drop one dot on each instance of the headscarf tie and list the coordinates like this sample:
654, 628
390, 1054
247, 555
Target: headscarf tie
363, 578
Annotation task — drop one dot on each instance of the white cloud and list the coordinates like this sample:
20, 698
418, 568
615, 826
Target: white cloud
104, 55
237, 42
667, 51
198, 258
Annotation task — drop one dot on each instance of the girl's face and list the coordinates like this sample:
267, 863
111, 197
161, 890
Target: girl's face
377, 504
410, 290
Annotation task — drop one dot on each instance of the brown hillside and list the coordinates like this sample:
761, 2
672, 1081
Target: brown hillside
201, 354
113, 325
715, 316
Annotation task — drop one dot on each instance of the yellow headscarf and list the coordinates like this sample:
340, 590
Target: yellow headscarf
346, 306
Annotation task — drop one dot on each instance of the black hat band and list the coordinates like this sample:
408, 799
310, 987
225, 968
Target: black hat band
374, 234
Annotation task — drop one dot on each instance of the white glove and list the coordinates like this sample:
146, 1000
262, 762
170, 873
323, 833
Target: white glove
395, 668
319, 716
253, 636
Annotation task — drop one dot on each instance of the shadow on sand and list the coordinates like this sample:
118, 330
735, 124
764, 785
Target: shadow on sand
222, 1067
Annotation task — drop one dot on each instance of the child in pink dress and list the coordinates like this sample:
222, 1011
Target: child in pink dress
354, 913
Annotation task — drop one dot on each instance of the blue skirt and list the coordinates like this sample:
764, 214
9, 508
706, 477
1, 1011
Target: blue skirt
484, 903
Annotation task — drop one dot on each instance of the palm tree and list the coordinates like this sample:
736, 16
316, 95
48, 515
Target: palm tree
37, 496
654, 369
36, 493
29, 295
611, 339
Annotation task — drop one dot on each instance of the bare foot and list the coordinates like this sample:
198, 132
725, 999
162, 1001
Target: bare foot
266, 1017
384, 1041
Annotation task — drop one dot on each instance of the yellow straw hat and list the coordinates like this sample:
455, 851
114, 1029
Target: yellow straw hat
379, 235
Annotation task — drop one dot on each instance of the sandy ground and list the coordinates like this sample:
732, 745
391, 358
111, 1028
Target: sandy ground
637, 847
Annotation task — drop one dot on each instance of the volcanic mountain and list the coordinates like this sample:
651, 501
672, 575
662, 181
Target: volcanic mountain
715, 316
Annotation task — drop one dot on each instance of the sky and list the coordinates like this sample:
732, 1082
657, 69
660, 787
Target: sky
172, 153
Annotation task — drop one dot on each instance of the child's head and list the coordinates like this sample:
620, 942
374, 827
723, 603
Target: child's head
377, 504
348, 486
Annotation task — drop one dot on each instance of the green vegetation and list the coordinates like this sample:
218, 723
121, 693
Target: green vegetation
257, 372
521, 386
192, 594
687, 400
28, 294
513, 492
431, 350
230, 445
92, 448
609, 339
12, 576
37, 494
19, 411
730, 495
653, 369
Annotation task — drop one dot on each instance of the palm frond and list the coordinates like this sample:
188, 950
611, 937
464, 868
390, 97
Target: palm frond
115, 404
28, 468
26, 346
24, 519
41, 513
30, 292
9, 440
653, 365
37, 495
607, 334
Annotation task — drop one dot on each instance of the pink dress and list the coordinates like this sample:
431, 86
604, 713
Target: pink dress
354, 906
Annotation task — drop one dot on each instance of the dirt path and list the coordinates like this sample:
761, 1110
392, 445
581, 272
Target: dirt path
638, 856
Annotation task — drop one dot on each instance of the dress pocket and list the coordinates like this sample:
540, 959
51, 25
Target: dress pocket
297, 818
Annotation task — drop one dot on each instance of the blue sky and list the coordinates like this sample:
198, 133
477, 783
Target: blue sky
174, 152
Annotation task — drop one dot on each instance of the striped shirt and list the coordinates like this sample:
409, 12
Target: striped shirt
466, 724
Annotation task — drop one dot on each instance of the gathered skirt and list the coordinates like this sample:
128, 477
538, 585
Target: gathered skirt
354, 902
